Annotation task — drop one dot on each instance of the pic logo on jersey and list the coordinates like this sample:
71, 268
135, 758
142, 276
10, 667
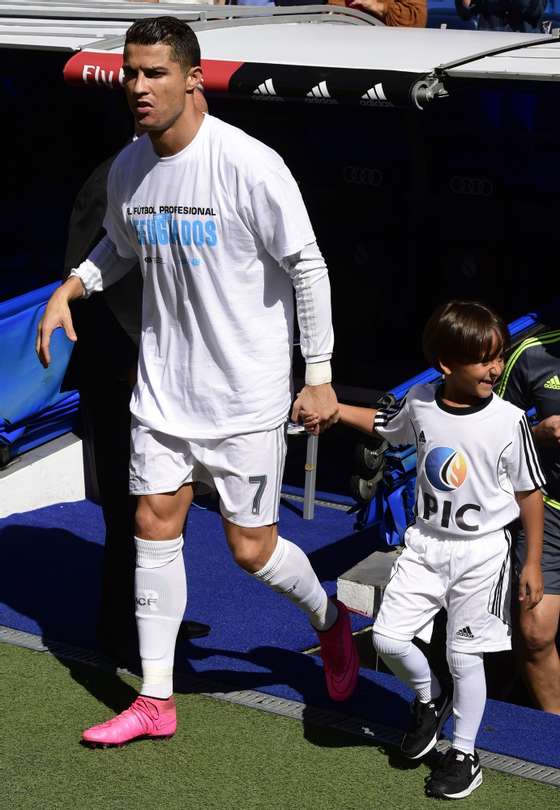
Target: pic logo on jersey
446, 469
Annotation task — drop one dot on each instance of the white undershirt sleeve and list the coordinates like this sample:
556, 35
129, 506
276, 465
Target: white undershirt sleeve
103, 267
309, 275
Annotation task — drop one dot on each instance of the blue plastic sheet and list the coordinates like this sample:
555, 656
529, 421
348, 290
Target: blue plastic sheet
32, 408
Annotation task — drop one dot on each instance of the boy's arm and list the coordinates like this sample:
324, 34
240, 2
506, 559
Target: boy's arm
357, 417
393, 422
532, 519
351, 415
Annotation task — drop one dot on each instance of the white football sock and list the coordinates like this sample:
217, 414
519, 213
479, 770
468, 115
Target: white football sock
409, 664
469, 697
161, 599
288, 571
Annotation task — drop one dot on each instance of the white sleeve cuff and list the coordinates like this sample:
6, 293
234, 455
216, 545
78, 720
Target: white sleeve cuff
89, 275
318, 373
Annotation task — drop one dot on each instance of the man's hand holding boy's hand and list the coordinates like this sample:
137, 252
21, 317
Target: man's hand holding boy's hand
318, 404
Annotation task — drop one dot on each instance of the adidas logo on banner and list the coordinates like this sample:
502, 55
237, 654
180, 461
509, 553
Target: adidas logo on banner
265, 89
421, 438
375, 93
464, 632
319, 91
553, 383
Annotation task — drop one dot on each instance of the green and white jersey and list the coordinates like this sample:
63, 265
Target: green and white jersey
470, 461
531, 378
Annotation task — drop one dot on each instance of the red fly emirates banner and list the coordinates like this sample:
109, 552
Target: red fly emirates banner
89, 68
266, 82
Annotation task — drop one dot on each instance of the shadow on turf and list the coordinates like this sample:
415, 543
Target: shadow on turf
284, 671
52, 577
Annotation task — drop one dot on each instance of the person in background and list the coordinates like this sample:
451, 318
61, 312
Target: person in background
525, 16
531, 379
103, 368
404, 13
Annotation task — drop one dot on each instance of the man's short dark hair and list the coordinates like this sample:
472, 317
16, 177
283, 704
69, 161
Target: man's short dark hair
464, 332
169, 31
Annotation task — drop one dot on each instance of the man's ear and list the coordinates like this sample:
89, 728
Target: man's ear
194, 78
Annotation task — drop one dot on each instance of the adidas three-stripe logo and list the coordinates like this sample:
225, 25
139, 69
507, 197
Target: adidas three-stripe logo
465, 632
553, 383
319, 91
266, 88
375, 93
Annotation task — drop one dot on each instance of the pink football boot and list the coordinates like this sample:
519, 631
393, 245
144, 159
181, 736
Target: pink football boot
340, 656
147, 717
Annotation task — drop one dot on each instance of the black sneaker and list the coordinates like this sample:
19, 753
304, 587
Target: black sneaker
456, 776
427, 723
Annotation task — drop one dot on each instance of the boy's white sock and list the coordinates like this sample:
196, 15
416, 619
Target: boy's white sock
409, 664
469, 697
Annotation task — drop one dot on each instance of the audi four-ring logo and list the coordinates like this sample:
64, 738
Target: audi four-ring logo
363, 176
471, 186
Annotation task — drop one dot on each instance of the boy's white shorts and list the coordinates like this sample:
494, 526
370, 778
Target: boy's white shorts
469, 578
246, 470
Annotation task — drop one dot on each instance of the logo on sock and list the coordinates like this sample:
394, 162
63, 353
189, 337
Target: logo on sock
147, 599
464, 632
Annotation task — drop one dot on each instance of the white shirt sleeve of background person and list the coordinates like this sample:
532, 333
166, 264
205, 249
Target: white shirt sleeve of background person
113, 257
282, 222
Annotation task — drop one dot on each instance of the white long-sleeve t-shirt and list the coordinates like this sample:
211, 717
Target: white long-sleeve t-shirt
223, 239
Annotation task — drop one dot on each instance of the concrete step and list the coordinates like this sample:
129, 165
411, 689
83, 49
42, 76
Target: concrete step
361, 588
50, 473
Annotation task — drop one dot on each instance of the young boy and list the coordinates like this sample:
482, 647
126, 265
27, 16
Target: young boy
477, 471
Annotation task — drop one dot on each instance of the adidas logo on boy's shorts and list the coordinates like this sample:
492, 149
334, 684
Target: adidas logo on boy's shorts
465, 632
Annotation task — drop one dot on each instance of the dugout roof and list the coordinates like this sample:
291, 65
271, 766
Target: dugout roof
314, 53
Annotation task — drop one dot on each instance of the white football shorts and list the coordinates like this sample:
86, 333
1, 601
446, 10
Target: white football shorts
469, 578
246, 470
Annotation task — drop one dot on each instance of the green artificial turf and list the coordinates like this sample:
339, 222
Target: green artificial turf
223, 756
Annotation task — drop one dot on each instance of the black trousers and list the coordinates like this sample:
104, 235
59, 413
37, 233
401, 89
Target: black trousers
102, 365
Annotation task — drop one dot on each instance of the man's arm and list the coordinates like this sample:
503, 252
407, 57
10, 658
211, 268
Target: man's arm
309, 276
103, 268
404, 13
547, 432
532, 519
57, 314
275, 212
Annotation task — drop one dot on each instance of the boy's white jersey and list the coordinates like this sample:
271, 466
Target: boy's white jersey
470, 461
209, 226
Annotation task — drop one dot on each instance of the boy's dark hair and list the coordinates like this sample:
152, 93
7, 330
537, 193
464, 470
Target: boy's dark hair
464, 332
169, 31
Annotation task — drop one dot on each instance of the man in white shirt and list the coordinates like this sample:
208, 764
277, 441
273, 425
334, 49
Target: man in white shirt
217, 223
